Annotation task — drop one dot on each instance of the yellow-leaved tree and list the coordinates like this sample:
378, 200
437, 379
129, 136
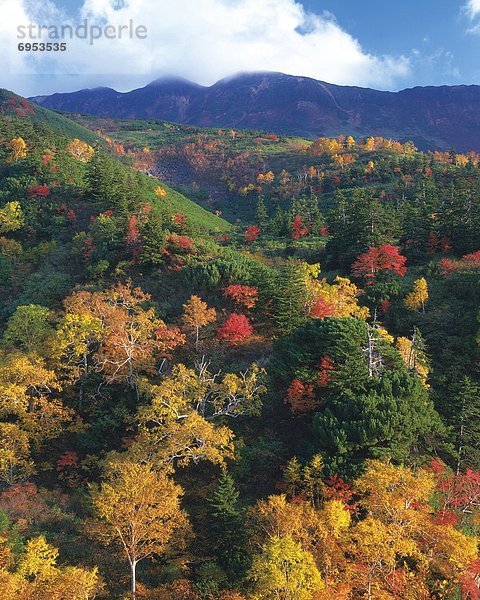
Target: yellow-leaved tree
284, 571
11, 217
178, 426
39, 577
413, 354
417, 298
18, 150
132, 338
138, 508
27, 397
80, 150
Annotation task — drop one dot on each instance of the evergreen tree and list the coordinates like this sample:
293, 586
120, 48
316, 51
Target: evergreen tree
466, 423
393, 418
359, 222
227, 527
262, 214
279, 225
290, 298
101, 179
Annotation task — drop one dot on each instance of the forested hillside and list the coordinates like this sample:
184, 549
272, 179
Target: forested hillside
273, 395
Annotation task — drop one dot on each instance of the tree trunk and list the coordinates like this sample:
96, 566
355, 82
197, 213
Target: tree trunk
133, 570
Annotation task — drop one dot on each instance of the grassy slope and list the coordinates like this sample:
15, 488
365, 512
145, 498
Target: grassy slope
48, 118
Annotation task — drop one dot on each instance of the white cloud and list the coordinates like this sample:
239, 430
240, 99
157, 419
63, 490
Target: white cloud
203, 40
472, 7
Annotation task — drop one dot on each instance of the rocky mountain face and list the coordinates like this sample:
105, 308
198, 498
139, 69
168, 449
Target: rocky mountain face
432, 117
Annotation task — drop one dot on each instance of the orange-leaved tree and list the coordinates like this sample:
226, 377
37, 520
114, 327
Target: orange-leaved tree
197, 314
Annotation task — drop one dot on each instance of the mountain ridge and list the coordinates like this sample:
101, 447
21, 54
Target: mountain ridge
434, 117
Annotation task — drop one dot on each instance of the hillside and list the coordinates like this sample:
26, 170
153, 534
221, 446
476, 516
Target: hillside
432, 117
284, 407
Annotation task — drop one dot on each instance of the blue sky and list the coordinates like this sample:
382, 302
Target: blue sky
433, 33
375, 43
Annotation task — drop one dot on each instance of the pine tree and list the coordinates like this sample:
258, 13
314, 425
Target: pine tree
279, 225
290, 298
466, 422
262, 214
227, 527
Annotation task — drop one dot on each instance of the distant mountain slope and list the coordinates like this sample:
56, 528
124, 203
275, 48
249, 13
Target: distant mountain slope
433, 117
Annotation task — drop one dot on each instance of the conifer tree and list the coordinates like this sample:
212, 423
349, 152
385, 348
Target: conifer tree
290, 298
466, 422
227, 527
262, 214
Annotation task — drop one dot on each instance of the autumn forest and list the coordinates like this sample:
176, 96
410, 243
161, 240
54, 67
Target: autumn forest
235, 365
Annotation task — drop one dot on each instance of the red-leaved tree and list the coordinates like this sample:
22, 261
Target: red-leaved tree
299, 229
244, 295
300, 398
252, 233
385, 258
235, 329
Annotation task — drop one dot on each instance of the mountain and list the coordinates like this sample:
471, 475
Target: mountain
432, 117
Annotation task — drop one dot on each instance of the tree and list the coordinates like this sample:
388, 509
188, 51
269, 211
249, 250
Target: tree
26, 396
301, 398
18, 150
414, 355
418, 296
262, 214
133, 233
290, 297
236, 328
284, 571
466, 423
392, 417
349, 142
385, 258
197, 314
336, 516
359, 221
252, 233
339, 299
139, 508
244, 295
15, 462
37, 576
11, 217
80, 150
177, 427
29, 329
228, 533
133, 337
76, 339
299, 229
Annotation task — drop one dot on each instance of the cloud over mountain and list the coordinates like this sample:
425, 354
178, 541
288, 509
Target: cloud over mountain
202, 40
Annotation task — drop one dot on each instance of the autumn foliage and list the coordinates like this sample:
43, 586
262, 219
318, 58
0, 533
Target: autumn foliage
252, 233
384, 259
236, 328
243, 295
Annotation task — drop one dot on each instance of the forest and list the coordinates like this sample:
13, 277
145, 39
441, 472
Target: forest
235, 365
